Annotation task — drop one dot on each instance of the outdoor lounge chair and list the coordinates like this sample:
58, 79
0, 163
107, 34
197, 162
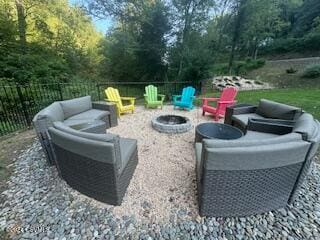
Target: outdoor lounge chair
114, 96
185, 100
260, 171
226, 99
97, 165
152, 98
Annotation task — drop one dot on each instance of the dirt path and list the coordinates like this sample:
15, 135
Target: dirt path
11, 147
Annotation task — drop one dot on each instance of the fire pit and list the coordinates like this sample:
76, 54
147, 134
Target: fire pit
171, 124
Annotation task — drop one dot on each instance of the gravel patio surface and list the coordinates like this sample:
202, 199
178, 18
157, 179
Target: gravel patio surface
160, 202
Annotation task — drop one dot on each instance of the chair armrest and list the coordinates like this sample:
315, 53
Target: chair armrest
175, 97
210, 99
115, 101
161, 96
268, 127
226, 102
238, 109
128, 98
100, 106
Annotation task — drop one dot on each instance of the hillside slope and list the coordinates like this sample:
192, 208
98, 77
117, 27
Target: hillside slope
275, 73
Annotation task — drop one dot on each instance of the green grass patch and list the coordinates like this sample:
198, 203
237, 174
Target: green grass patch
306, 98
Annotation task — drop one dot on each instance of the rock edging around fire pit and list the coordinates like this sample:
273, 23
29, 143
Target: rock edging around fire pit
171, 124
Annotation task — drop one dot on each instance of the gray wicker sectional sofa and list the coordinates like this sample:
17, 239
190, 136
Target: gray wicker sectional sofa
92, 161
97, 165
262, 170
72, 112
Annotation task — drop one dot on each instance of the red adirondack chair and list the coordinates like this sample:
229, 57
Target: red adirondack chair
226, 99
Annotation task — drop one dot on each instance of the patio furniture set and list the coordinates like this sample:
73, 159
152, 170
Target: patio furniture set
254, 162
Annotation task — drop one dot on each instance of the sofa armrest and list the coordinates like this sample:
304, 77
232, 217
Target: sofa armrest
111, 108
269, 126
241, 108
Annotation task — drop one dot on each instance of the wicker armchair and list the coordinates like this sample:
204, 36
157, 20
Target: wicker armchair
97, 165
262, 170
243, 177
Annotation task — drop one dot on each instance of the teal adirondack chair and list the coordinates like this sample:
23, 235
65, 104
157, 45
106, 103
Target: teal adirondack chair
185, 99
152, 98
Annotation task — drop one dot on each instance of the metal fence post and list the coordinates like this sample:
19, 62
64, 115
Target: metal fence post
98, 88
23, 104
60, 92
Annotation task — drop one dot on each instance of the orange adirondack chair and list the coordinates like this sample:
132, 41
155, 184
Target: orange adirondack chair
226, 99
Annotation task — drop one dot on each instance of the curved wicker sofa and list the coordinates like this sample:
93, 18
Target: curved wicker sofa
97, 165
262, 170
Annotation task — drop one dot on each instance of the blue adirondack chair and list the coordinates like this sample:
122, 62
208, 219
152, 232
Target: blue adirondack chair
185, 99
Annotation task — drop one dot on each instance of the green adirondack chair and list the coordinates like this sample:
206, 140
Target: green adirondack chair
152, 98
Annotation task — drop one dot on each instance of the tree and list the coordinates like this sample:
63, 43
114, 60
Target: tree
239, 9
22, 24
190, 16
262, 23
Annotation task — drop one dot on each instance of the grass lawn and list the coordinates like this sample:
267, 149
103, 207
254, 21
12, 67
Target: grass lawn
306, 98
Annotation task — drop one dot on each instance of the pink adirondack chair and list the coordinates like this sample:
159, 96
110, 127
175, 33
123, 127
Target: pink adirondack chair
226, 99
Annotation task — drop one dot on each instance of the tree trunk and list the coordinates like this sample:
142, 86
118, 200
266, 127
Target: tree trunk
236, 32
21, 24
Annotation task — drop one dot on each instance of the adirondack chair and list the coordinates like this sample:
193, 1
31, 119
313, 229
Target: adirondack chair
114, 96
185, 99
226, 99
152, 98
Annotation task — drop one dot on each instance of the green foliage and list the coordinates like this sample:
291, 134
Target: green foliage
312, 71
240, 67
135, 50
61, 43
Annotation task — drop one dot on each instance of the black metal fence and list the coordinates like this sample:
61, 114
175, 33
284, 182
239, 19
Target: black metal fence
19, 103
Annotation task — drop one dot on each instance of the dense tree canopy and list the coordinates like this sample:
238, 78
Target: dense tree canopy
46, 41
151, 40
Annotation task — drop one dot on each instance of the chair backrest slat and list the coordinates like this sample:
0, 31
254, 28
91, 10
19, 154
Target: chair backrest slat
152, 93
113, 95
187, 94
228, 94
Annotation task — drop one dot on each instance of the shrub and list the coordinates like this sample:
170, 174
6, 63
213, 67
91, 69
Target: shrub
291, 70
312, 71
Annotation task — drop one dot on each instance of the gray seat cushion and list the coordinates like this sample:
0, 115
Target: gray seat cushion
242, 119
270, 109
70, 123
127, 149
76, 106
92, 114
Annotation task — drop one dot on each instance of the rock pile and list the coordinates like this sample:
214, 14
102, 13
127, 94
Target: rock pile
221, 82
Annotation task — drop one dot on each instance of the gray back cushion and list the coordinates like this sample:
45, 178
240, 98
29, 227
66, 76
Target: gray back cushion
96, 150
76, 106
270, 109
107, 137
53, 112
243, 142
45, 118
256, 157
305, 125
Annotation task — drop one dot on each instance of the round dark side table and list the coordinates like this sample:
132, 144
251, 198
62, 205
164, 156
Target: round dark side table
217, 130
